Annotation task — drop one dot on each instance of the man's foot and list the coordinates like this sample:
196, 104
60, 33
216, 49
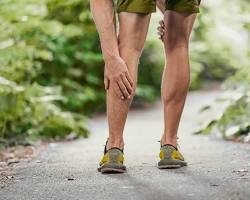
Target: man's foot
112, 161
170, 158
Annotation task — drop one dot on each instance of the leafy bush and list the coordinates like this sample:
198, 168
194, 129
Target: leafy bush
51, 67
150, 72
28, 109
233, 121
218, 35
77, 64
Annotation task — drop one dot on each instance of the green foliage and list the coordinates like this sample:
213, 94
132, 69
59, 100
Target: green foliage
217, 38
51, 67
76, 57
29, 109
234, 119
29, 113
150, 72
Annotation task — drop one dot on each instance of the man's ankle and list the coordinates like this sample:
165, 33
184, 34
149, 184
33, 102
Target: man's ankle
172, 142
115, 144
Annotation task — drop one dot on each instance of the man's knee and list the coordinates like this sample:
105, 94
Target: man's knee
177, 30
133, 44
172, 41
133, 50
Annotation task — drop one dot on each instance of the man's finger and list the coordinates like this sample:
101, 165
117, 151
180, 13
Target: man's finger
127, 84
161, 38
129, 79
159, 28
123, 88
106, 83
162, 23
160, 33
118, 91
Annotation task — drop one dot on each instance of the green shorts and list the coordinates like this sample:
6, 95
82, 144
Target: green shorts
149, 6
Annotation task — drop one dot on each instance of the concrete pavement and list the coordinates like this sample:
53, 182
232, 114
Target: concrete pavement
217, 170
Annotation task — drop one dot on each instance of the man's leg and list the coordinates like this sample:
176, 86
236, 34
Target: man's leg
132, 35
176, 76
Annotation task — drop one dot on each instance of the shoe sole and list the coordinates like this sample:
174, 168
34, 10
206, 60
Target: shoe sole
170, 166
112, 171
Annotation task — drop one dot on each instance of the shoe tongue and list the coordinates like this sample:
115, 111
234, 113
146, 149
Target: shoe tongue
106, 150
169, 146
116, 148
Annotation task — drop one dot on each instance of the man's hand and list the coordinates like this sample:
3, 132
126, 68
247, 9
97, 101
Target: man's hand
161, 30
116, 75
116, 72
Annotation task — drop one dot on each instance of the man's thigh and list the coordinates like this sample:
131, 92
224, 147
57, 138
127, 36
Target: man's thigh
187, 6
134, 17
133, 29
136, 6
178, 25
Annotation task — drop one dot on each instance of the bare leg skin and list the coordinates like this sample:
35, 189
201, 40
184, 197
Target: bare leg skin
132, 35
176, 75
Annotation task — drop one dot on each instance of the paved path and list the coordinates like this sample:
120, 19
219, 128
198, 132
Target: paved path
67, 171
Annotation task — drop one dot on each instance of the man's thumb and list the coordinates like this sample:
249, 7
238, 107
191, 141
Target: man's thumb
106, 83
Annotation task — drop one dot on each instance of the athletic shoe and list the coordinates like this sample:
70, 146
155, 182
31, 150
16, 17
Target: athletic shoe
112, 161
170, 157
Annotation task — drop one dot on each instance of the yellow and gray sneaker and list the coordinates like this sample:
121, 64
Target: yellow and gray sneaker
170, 157
112, 161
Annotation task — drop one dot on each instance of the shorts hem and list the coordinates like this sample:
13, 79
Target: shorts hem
183, 10
138, 10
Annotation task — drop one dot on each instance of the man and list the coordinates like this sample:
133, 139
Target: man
121, 55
